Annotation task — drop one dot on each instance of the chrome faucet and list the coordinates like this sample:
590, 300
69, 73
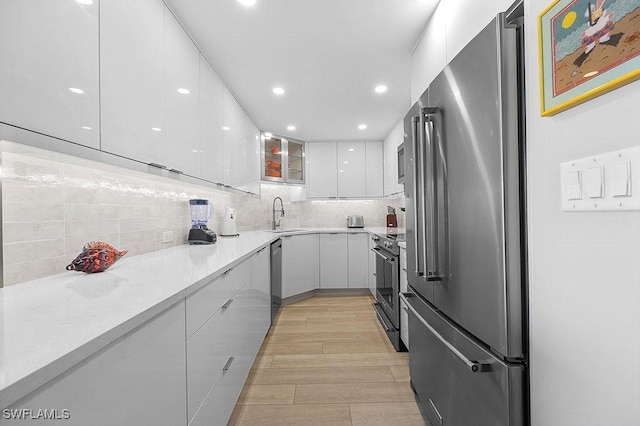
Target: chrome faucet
274, 224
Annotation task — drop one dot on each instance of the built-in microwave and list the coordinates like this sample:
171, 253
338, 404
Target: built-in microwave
401, 163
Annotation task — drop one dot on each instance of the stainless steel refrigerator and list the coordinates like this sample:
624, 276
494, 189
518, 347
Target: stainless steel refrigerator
466, 239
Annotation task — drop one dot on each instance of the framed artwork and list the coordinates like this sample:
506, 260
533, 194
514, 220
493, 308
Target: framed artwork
587, 48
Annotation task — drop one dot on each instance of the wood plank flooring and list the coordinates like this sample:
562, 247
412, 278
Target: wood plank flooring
328, 361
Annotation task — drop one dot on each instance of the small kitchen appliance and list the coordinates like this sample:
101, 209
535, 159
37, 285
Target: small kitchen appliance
355, 221
201, 212
392, 219
229, 223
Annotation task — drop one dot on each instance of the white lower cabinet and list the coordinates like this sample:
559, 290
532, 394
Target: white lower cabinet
358, 259
372, 268
137, 380
299, 264
333, 261
220, 353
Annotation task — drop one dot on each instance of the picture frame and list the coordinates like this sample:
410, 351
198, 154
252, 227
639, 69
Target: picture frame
586, 48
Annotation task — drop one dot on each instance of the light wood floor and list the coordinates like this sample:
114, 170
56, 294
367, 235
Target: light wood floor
328, 361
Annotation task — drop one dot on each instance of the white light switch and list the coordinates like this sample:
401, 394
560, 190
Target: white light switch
594, 182
574, 186
620, 180
601, 182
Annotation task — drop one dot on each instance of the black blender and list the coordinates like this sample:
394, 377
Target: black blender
201, 212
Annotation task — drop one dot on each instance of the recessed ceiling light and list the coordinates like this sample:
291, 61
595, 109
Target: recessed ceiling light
345, 162
291, 127
351, 149
76, 90
183, 91
278, 90
86, 127
362, 126
226, 128
156, 129
381, 89
247, 2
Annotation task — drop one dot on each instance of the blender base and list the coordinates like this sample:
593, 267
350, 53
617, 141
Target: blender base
201, 236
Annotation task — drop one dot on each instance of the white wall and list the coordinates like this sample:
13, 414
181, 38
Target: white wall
584, 267
584, 275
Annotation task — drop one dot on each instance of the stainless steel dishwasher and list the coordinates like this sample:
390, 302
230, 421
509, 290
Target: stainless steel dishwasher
276, 278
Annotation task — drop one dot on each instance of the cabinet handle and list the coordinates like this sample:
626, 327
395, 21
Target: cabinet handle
227, 303
227, 272
159, 166
404, 269
176, 171
228, 364
262, 249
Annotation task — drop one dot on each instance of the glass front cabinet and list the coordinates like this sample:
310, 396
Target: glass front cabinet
282, 159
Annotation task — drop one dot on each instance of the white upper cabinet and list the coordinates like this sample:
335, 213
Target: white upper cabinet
49, 68
322, 169
352, 169
344, 169
391, 143
182, 98
132, 79
375, 169
211, 119
241, 146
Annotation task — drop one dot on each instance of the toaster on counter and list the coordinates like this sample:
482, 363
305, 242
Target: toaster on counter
355, 222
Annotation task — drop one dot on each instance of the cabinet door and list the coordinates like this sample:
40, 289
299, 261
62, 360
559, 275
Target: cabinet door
132, 79
352, 171
295, 162
299, 264
322, 170
358, 248
261, 284
46, 49
248, 160
211, 122
399, 139
372, 268
333, 261
390, 164
375, 169
233, 161
137, 380
182, 87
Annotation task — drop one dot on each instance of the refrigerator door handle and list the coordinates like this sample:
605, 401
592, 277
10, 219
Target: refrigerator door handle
417, 163
430, 200
474, 366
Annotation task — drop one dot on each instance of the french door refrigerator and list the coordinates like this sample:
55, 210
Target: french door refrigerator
466, 241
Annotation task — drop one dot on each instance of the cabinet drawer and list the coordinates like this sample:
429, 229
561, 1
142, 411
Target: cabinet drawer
219, 403
202, 304
235, 331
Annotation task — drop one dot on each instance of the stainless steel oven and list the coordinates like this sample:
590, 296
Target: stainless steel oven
387, 305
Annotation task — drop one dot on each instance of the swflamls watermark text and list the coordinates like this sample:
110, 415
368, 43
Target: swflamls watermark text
36, 414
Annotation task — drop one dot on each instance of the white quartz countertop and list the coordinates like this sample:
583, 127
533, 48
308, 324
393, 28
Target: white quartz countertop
49, 325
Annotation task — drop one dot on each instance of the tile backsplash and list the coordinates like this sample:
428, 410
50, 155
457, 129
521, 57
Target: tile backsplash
51, 208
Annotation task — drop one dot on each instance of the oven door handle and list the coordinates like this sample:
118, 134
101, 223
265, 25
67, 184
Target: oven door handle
378, 252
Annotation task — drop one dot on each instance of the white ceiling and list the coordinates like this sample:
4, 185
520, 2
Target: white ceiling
328, 55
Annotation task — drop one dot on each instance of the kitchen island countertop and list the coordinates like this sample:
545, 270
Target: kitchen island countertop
51, 324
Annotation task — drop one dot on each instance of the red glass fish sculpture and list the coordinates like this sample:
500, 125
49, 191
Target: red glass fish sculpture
96, 256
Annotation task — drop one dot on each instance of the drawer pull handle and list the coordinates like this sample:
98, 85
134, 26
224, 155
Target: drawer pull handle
226, 305
159, 166
227, 271
228, 364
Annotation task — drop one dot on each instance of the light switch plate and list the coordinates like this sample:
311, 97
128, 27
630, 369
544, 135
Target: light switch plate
603, 182
167, 237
